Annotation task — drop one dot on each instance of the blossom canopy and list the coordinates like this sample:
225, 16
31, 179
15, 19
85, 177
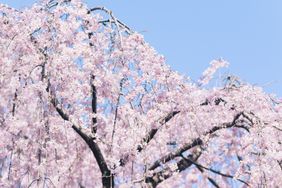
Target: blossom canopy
86, 102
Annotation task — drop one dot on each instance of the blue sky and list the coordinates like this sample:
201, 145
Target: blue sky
247, 33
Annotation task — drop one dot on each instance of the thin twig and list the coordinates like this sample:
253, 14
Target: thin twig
116, 111
117, 22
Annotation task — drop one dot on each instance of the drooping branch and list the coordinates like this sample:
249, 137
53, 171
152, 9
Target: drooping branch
53, 3
11, 159
116, 111
113, 19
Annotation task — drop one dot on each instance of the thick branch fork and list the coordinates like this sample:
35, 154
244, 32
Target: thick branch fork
107, 176
186, 162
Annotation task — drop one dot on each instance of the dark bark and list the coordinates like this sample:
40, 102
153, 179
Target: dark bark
166, 173
214, 171
212, 181
185, 163
94, 105
177, 153
150, 135
280, 163
14, 103
107, 176
195, 142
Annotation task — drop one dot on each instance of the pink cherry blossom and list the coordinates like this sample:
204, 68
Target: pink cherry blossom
86, 102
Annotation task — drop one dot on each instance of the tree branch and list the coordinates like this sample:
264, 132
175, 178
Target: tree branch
277, 128
214, 171
116, 21
167, 172
150, 135
212, 181
280, 163
93, 105
184, 163
107, 176
14, 103
195, 142
177, 153
116, 111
